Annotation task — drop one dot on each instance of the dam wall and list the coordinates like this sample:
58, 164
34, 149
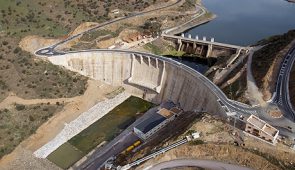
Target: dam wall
150, 77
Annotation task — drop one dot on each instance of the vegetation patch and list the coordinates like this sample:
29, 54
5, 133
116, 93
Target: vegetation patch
29, 77
20, 122
272, 159
105, 129
236, 90
90, 36
188, 5
115, 92
174, 53
153, 48
196, 142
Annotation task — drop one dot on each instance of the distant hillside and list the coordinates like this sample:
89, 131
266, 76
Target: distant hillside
57, 17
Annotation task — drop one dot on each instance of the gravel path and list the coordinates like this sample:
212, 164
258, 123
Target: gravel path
81, 123
252, 89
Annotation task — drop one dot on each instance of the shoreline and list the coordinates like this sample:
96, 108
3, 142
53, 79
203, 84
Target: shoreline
204, 17
192, 24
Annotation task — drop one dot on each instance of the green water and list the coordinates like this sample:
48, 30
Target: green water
105, 129
65, 156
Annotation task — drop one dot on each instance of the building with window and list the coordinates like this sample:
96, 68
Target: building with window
261, 129
157, 120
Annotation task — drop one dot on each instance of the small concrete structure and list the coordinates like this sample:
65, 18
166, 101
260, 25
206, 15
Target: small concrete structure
115, 11
196, 135
261, 129
157, 121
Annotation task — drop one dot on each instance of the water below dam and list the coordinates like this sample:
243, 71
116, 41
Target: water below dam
200, 65
243, 22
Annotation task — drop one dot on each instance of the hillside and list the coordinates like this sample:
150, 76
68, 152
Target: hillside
26, 76
266, 61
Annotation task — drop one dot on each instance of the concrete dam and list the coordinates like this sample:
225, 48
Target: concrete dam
148, 76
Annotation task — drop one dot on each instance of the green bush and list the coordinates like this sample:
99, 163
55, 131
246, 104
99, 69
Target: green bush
20, 107
197, 142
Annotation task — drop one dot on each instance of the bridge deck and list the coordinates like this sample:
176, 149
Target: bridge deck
203, 42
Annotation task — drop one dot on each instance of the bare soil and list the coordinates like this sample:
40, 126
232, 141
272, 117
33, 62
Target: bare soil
267, 60
219, 145
73, 107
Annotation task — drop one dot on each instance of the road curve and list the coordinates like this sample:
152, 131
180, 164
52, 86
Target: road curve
231, 105
50, 51
281, 95
208, 164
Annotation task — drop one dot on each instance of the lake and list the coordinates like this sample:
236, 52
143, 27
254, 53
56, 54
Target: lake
244, 22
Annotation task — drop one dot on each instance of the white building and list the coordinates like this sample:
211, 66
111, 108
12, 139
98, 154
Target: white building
261, 129
155, 122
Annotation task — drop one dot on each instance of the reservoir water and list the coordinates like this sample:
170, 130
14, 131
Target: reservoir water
244, 22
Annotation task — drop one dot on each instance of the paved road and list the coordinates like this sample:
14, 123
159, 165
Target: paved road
229, 105
196, 163
232, 106
50, 51
282, 96
113, 148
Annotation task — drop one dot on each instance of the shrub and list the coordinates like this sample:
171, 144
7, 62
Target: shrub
31, 118
16, 50
4, 42
20, 107
197, 142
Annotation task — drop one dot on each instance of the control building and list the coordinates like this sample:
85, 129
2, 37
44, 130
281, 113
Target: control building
157, 120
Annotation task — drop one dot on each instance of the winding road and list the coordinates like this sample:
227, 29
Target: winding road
231, 106
50, 51
281, 96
